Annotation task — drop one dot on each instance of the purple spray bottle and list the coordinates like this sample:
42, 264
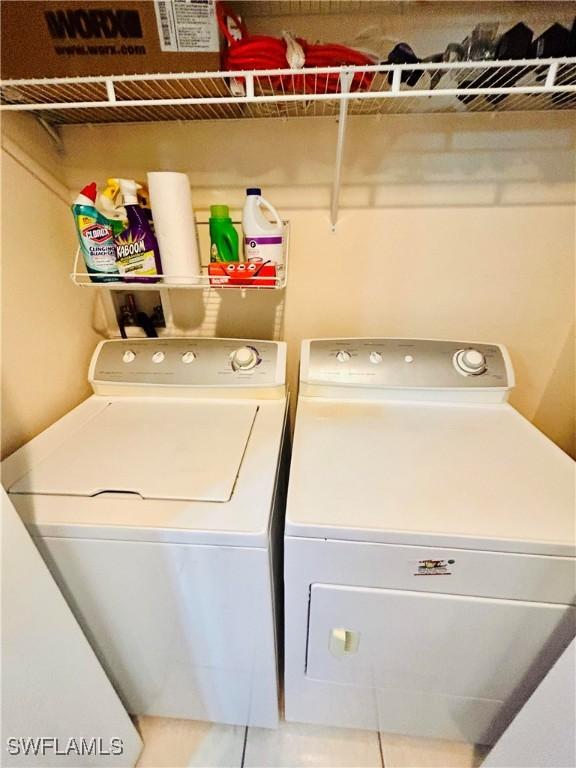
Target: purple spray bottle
137, 252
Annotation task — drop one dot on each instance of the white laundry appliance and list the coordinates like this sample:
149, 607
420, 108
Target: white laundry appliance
429, 543
157, 504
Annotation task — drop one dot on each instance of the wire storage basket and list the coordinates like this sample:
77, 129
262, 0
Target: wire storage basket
240, 276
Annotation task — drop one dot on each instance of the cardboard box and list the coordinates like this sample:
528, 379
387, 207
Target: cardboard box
67, 38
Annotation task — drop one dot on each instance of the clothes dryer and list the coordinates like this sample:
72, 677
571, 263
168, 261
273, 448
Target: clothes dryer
429, 541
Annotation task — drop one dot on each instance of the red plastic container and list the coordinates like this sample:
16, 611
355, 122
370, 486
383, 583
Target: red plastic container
243, 273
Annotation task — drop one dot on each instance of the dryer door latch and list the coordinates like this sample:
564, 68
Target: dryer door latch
344, 642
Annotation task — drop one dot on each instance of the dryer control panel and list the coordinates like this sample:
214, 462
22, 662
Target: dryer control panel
190, 362
385, 363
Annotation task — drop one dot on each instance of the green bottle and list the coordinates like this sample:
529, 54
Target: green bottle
223, 235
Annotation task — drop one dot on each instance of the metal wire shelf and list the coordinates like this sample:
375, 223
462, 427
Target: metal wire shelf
487, 86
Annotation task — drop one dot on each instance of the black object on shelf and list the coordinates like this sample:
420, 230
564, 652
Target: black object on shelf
479, 45
572, 44
514, 44
454, 52
435, 74
566, 74
484, 45
553, 43
403, 54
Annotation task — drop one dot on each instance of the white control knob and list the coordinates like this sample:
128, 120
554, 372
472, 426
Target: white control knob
375, 357
128, 356
158, 357
188, 357
244, 358
470, 362
343, 356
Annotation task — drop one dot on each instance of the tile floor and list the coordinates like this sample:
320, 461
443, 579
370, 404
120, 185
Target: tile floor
183, 743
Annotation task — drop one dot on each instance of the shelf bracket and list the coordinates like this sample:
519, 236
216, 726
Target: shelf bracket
52, 131
345, 84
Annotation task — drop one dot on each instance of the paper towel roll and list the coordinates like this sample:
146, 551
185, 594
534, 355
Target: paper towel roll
171, 203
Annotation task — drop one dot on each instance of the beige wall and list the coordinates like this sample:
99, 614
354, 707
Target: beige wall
440, 275
47, 334
457, 227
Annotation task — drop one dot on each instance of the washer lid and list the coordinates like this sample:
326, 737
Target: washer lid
471, 476
186, 450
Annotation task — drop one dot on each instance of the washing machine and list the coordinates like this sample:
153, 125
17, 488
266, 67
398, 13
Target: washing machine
429, 541
158, 506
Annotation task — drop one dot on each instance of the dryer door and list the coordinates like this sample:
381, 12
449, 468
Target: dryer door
435, 652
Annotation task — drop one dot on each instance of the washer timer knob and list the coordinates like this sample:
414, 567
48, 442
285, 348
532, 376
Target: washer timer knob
188, 357
128, 356
375, 357
244, 358
158, 357
470, 362
343, 356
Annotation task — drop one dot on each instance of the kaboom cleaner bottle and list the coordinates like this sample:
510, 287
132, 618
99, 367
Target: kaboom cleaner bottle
137, 252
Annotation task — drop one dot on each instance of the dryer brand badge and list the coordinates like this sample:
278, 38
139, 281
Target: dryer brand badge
434, 568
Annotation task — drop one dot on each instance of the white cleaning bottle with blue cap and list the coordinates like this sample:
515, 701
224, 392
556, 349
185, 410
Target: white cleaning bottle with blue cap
263, 238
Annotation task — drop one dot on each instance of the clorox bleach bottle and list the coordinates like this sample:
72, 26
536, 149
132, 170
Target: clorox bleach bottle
96, 237
263, 239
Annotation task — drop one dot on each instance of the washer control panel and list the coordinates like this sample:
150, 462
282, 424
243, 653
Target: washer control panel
189, 362
405, 363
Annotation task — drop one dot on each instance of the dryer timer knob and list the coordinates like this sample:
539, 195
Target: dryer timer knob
470, 362
244, 358
343, 356
128, 356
